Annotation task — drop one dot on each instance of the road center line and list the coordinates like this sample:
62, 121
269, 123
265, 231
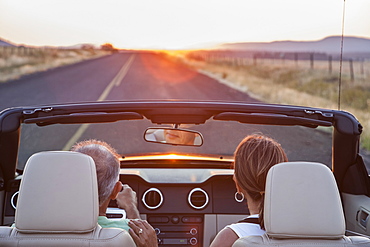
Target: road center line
118, 78
115, 82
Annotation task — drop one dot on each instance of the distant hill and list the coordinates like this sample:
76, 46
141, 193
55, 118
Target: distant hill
78, 46
5, 43
329, 45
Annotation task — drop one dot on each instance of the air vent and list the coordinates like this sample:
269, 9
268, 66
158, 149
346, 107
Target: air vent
198, 198
14, 200
152, 198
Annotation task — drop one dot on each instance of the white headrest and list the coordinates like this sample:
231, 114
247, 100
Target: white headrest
58, 193
302, 201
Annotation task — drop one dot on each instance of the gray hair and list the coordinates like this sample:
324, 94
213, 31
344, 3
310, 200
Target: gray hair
107, 165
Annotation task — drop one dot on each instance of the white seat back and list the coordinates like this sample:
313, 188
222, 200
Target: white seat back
302, 208
58, 204
302, 200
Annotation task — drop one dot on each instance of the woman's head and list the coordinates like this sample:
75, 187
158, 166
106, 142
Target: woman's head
254, 156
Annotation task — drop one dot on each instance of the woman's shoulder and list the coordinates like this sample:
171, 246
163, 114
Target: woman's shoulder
247, 227
228, 235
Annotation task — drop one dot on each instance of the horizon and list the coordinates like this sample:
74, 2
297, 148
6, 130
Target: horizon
165, 24
214, 46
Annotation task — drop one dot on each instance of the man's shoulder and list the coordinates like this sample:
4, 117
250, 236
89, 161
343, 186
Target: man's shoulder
120, 223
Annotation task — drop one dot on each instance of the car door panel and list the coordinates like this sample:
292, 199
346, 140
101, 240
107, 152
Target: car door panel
357, 213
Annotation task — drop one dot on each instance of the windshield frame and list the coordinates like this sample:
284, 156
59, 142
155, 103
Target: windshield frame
346, 133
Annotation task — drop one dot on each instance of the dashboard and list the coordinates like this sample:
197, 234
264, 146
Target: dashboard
186, 207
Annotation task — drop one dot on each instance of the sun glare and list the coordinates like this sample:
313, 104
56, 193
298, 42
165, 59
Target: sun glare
165, 70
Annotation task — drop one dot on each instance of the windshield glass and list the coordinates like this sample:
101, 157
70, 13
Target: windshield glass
220, 139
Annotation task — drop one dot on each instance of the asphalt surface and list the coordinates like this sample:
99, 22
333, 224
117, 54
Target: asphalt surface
143, 76
150, 76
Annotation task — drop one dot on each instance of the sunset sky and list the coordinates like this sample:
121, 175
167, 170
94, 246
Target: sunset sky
175, 24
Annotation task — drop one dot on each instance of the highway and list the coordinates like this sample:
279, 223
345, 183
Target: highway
141, 76
148, 76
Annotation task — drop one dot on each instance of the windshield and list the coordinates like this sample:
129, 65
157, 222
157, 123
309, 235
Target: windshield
220, 139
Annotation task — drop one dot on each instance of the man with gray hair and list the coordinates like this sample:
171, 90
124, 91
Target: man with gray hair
110, 188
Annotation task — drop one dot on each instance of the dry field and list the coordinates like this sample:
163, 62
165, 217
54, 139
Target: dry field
288, 82
16, 62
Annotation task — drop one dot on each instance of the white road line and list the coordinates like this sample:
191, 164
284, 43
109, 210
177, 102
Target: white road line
115, 82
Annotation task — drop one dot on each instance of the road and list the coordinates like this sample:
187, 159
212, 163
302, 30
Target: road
142, 76
150, 76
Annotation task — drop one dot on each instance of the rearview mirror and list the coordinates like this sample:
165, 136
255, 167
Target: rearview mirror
174, 136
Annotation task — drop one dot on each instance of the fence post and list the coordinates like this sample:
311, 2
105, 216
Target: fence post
311, 59
296, 59
254, 59
330, 60
351, 70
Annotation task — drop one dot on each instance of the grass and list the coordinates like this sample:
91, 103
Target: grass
15, 65
297, 84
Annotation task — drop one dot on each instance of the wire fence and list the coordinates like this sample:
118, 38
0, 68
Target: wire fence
22, 51
356, 69
7, 51
18, 61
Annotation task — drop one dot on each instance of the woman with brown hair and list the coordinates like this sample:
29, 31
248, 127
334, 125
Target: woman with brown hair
254, 156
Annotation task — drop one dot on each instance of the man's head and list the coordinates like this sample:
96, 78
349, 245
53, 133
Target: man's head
107, 165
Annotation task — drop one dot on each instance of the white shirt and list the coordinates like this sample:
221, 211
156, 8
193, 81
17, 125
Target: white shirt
247, 229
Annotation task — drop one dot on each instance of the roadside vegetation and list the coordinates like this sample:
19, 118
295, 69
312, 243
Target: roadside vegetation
19, 61
297, 83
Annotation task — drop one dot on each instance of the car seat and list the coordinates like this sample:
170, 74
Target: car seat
302, 208
58, 205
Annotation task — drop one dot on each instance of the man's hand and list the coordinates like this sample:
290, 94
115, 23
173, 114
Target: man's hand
143, 233
127, 200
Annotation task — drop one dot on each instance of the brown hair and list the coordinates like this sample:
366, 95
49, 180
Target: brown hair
254, 156
107, 165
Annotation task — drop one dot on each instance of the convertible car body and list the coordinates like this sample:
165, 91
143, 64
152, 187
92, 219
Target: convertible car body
187, 192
